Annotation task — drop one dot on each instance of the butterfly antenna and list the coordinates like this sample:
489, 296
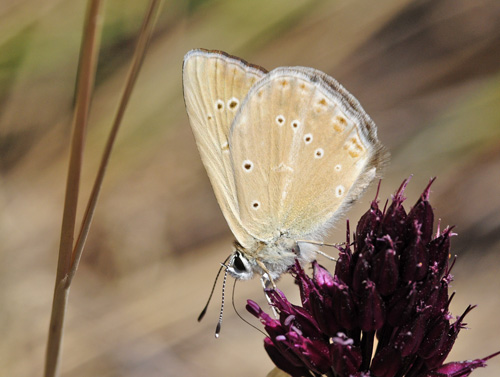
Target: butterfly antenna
203, 312
239, 315
219, 324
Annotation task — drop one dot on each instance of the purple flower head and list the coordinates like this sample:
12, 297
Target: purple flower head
390, 284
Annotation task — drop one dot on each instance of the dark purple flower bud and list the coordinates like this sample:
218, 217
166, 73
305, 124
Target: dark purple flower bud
304, 321
284, 360
321, 276
344, 307
306, 285
459, 369
439, 251
271, 325
368, 225
386, 363
440, 304
414, 258
254, 308
315, 353
434, 338
385, 271
343, 270
346, 358
446, 346
265, 318
434, 293
401, 305
410, 335
279, 301
322, 311
394, 220
362, 270
371, 309
422, 214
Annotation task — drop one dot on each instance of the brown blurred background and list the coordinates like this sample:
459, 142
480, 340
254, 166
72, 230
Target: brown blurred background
428, 73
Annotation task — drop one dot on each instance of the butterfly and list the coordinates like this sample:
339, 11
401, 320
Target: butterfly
286, 151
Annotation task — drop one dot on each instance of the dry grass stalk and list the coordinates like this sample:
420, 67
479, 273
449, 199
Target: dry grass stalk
69, 255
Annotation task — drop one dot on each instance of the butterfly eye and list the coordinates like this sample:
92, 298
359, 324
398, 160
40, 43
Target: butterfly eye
238, 264
240, 267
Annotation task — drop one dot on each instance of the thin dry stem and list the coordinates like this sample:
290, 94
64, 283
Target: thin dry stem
85, 84
138, 58
69, 257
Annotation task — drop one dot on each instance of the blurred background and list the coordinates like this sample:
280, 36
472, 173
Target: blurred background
428, 73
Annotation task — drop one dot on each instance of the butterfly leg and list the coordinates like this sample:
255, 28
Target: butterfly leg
268, 284
323, 244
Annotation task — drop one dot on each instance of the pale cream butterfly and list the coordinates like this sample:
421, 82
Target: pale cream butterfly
287, 152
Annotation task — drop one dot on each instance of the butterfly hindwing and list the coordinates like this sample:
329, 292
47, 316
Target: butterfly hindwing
302, 150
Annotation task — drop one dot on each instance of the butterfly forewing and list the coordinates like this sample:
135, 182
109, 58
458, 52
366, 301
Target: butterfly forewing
302, 150
215, 85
